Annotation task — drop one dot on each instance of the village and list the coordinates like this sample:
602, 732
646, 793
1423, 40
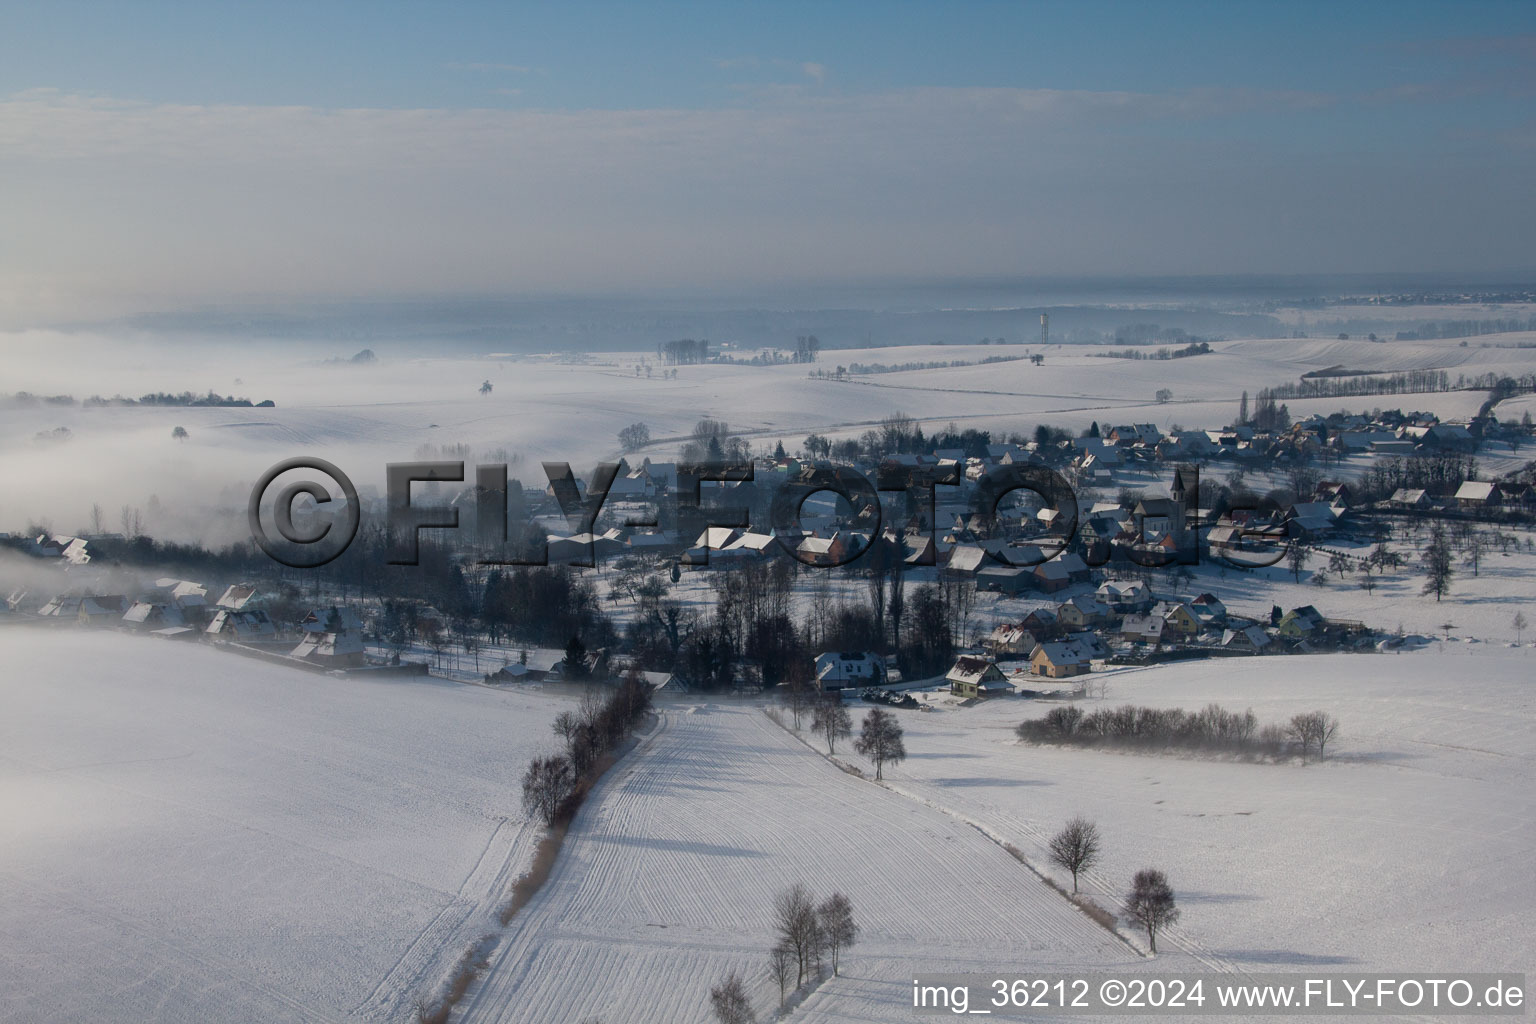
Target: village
1004, 600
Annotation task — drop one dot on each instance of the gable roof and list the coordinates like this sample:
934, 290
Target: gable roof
970, 669
1477, 490
1061, 652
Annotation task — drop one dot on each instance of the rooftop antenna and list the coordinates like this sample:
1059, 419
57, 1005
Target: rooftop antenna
1045, 328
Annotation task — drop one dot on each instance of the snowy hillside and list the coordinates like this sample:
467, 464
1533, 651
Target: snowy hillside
187, 835
668, 878
1410, 844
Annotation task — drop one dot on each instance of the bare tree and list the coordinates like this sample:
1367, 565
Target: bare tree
1151, 904
781, 961
1475, 545
565, 724
831, 720
1076, 847
838, 930
795, 924
1296, 558
1437, 564
1519, 623
880, 740
1313, 729
729, 1001
547, 782
796, 694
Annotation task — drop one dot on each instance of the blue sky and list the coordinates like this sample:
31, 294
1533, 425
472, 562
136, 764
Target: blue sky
350, 149
620, 55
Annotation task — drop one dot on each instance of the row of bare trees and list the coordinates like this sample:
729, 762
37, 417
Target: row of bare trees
809, 936
554, 784
881, 738
1211, 728
1149, 904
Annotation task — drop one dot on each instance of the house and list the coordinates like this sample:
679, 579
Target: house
749, 547
1252, 543
1009, 639
1142, 629
337, 649
237, 596
1061, 572
1098, 467
1449, 437
1059, 659
1209, 609
1179, 618
101, 609
650, 541
191, 598
1250, 638
63, 606
514, 672
660, 681
1300, 622
1476, 494
1092, 644
1335, 492
153, 615
1410, 498
72, 550
1081, 611
1135, 433
242, 624
1125, 596
964, 560
837, 670
826, 551
1519, 495
1041, 621
1010, 580
977, 677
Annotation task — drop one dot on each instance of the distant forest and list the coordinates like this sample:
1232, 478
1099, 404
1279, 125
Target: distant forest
185, 398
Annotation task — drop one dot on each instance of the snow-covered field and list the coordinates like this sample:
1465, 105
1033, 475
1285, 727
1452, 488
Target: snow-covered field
187, 835
1409, 845
361, 417
667, 880
190, 836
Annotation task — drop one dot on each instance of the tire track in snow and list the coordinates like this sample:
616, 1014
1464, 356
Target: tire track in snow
669, 871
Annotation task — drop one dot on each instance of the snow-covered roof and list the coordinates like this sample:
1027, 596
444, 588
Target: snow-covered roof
1476, 490
1061, 652
969, 669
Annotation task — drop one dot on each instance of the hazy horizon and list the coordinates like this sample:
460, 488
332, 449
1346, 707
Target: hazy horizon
161, 160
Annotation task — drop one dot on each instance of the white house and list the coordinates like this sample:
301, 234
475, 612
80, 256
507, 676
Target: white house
836, 670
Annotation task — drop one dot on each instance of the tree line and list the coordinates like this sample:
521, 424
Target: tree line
1211, 728
555, 784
